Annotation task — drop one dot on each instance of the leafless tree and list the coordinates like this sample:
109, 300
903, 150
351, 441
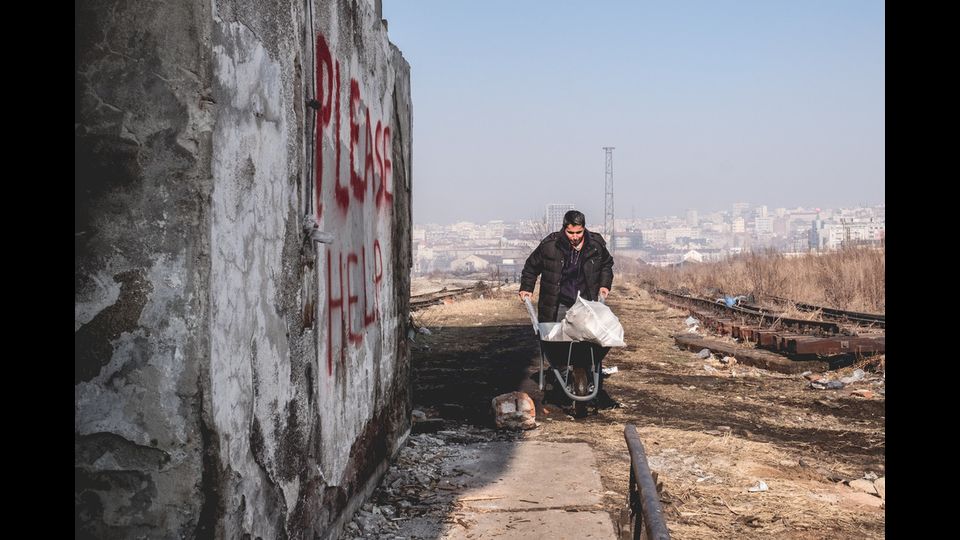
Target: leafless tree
537, 227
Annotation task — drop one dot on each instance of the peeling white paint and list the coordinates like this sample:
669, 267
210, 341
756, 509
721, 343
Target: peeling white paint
105, 293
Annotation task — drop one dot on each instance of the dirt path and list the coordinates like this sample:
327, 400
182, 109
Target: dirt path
710, 434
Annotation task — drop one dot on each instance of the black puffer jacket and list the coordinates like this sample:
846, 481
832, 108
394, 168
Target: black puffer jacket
547, 261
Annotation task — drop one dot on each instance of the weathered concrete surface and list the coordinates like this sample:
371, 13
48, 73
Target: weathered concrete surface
530, 490
142, 154
528, 475
550, 524
232, 377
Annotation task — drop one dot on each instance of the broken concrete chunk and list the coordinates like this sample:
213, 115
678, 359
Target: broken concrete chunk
514, 410
863, 485
881, 486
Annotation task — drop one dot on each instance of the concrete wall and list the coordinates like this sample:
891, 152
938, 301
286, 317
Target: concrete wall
233, 377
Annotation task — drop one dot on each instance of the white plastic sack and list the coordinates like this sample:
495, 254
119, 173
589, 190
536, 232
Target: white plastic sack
553, 331
593, 321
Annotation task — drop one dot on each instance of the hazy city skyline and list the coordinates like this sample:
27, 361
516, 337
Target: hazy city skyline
707, 103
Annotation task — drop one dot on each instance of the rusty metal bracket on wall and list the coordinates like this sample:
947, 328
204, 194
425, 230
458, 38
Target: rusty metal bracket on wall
313, 234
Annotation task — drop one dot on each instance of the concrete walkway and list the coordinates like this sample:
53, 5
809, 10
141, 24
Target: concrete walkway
527, 489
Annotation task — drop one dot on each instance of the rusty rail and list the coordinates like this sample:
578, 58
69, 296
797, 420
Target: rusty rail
872, 319
421, 301
645, 510
801, 326
789, 337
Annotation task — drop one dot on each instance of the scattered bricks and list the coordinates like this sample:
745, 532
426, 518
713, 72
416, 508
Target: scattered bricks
514, 410
767, 338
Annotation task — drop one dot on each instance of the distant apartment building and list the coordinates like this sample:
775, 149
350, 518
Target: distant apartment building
692, 218
780, 226
763, 225
555, 214
628, 240
739, 208
492, 230
738, 225
702, 255
845, 232
666, 236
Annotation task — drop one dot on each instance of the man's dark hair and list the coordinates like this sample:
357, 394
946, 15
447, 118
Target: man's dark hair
574, 217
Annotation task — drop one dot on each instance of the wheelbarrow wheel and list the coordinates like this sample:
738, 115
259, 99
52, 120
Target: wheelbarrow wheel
580, 388
579, 409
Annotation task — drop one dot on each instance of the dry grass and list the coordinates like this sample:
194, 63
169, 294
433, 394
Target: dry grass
490, 306
850, 279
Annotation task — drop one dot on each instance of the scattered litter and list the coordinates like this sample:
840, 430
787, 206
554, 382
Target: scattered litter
728, 360
731, 301
709, 369
704, 478
805, 373
830, 404
691, 321
703, 354
824, 384
761, 486
862, 393
857, 376
411, 335
425, 330
610, 370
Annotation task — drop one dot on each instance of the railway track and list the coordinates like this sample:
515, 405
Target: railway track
421, 301
798, 339
863, 319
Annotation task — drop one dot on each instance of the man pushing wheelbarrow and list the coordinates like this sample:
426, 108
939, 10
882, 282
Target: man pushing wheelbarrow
572, 263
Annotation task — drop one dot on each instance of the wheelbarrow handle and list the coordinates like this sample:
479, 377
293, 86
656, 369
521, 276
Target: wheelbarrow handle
533, 315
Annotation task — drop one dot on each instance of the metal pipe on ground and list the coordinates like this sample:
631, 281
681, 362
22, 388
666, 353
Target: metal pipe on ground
645, 508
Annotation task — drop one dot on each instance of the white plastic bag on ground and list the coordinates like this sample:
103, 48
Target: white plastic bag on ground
593, 321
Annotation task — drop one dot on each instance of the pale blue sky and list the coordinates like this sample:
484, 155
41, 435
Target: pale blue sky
707, 102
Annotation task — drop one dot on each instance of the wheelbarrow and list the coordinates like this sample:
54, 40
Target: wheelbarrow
580, 376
